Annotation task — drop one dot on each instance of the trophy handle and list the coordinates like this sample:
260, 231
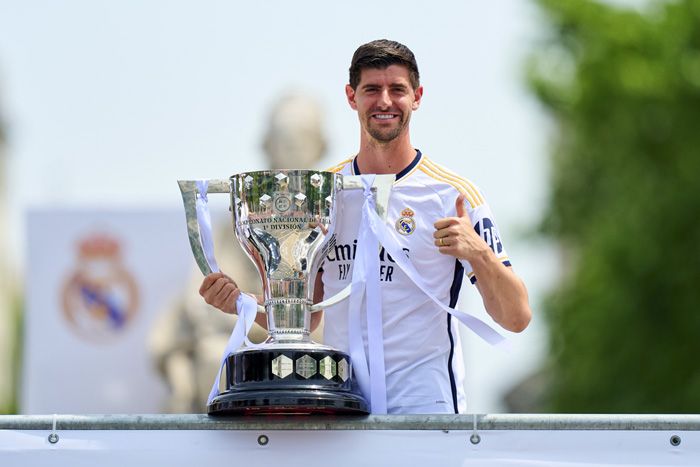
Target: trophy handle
382, 190
337, 298
189, 191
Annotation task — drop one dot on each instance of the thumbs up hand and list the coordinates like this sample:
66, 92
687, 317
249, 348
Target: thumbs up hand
455, 236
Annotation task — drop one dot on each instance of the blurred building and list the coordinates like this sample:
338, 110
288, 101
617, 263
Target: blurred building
8, 298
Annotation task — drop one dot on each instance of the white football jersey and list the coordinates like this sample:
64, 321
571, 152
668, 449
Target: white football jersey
422, 352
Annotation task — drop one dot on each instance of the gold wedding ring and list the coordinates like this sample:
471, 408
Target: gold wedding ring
442, 242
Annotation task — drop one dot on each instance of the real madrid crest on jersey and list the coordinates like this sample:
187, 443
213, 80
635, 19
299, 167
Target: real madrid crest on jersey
100, 298
406, 224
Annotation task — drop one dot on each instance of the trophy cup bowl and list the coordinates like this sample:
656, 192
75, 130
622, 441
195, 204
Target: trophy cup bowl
284, 220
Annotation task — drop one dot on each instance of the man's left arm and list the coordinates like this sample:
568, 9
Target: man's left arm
503, 292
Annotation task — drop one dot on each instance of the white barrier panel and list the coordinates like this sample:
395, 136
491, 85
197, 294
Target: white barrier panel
366, 442
96, 281
346, 448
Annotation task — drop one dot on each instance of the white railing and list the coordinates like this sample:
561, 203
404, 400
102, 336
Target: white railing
440, 440
371, 422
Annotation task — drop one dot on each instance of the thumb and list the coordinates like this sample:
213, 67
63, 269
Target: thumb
461, 207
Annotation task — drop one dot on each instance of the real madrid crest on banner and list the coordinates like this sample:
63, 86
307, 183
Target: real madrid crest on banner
406, 225
100, 298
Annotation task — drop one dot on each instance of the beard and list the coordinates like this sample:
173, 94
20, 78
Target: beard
386, 135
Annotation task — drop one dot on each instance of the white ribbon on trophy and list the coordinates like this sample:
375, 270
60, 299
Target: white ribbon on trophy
365, 279
246, 306
387, 239
369, 372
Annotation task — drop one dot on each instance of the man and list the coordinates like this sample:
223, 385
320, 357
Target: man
444, 226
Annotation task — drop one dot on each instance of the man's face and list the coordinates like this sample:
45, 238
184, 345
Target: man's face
384, 100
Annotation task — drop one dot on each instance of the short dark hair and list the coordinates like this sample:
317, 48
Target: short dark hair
381, 54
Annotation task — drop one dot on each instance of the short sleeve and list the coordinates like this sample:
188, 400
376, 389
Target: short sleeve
485, 226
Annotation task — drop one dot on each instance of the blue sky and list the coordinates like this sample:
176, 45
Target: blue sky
110, 102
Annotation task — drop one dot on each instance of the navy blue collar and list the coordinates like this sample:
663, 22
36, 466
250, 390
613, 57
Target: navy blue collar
405, 171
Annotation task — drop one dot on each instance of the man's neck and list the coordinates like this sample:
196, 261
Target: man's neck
385, 158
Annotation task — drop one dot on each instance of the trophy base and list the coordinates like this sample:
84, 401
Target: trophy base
285, 402
288, 379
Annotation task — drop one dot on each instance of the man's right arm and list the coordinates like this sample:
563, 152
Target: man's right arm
220, 291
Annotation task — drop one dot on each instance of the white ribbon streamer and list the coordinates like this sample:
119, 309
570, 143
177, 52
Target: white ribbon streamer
204, 221
387, 239
371, 378
370, 373
246, 305
247, 308
375, 326
356, 345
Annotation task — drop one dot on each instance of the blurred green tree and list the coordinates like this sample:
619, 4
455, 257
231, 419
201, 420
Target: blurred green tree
623, 88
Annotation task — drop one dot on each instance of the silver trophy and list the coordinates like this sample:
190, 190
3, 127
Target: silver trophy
284, 220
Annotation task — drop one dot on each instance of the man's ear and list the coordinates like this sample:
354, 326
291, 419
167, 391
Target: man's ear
350, 94
418, 96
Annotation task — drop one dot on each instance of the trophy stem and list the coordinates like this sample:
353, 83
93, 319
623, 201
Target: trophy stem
288, 318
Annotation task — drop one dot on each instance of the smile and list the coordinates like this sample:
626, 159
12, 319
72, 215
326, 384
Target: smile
384, 116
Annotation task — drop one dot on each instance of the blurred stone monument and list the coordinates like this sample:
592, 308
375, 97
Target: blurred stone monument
189, 338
